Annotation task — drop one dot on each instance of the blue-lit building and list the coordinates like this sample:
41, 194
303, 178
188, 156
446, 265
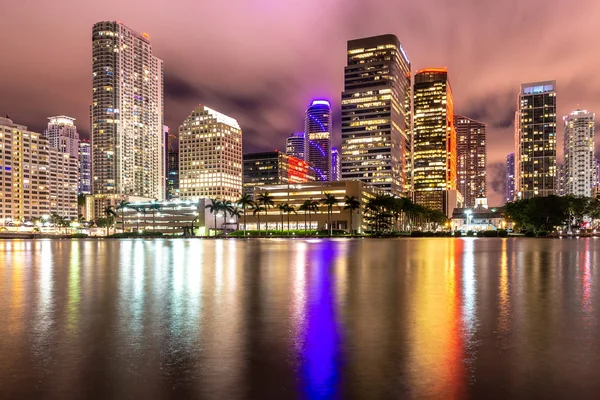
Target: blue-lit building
335, 165
318, 138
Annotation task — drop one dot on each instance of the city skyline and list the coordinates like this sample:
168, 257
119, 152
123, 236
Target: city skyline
484, 88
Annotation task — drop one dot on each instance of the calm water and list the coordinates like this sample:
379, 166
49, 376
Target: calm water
365, 319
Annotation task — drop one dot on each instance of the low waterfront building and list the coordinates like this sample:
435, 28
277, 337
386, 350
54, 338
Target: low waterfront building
274, 168
296, 195
479, 218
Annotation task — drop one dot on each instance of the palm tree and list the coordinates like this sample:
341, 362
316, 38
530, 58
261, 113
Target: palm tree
214, 207
246, 203
122, 206
266, 200
329, 200
257, 210
236, 212
351, 203
305, 208
282, 208
110, 213
288, 209
313, 206
226, 207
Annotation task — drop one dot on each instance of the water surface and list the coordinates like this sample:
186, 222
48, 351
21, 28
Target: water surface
257, 319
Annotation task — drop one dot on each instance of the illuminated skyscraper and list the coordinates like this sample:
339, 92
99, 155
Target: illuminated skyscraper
85, 167
62, 134
317, 138
535, 140
435, 174
579, 153
210, 156
335, 165
126, 115
471, 150
510, 177
294, 145
376, 139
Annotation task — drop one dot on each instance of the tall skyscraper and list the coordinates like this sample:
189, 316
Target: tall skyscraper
317, 138
85, 167
126, 115
294, 145
435, 173
172, 166
535, 140
335, 165
63, 182
210, 156
579, 153
510, 177
62, 134
376, 104
471, 150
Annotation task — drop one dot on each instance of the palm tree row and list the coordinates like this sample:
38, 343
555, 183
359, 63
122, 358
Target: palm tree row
217, 206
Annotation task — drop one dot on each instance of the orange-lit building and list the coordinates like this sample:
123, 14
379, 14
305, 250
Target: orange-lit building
275, 168
434, 141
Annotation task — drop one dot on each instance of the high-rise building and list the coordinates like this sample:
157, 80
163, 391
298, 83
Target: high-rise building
63, 174
126, 115
535, 140
294, 145
24, 191
561, 183
172, 166
210, 156
275, 168
579, 153
85, 167
510, 177
62, 134
317, 138
434, 168
376, 104
471, 150
335, 165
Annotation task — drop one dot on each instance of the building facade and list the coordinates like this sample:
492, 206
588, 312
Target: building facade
62, 134
294, 145
376, 114
471, 155
435, 154
317, 138
579, 141
85, 167
172, 166
210, 156
63, 174
275, 168
510, 177
24, 161
296, 195
126, 115
535, 140
335, 165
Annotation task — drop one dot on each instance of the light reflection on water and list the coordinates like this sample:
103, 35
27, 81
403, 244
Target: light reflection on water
433, 318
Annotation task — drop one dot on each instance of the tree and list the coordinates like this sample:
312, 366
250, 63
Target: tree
351, 203
122, 206
245, 202
256, 211
266, 200
282, 208
214, 207
110, 213
288, 209
329, 200
236, 212
305, 208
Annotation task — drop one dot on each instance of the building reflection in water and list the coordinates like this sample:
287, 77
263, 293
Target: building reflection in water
321, 340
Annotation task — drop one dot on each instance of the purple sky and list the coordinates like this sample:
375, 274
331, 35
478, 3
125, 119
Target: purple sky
262, 61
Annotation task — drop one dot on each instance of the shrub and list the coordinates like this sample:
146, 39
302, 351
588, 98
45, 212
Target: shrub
542, 234
529, 234
457, 233
470, 233
502, 233
490, 234
417, 234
